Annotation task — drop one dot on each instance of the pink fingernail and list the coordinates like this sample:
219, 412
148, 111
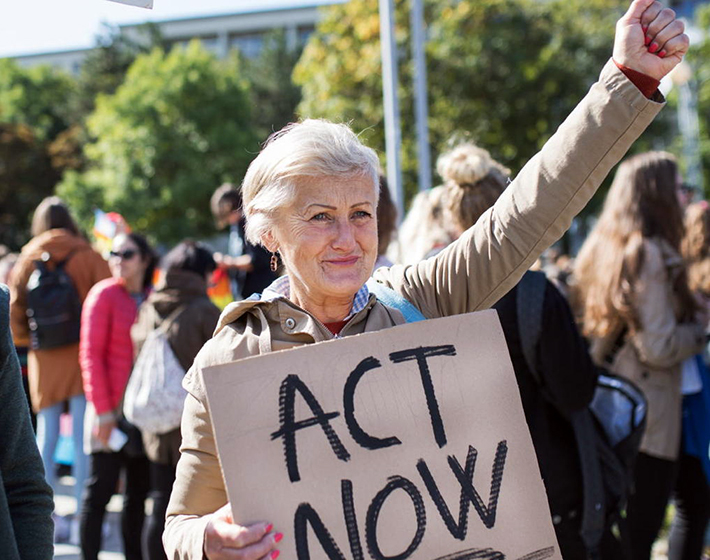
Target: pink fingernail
645, 28
269, 527
653, 48
647, 40
275, 554
662, 54
278, 537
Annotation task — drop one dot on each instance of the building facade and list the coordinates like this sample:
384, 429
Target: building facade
243, 29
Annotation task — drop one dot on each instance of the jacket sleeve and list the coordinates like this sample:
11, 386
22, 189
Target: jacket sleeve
199, 489
661, 342
29, 497
93, 348
536, 209
567, 371
18, 301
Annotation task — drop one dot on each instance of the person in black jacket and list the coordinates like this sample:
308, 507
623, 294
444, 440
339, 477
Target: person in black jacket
249, 266
26, 504
567, 382
473, 181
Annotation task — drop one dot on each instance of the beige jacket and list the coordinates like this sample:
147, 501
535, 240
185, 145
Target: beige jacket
471, 274
652, 357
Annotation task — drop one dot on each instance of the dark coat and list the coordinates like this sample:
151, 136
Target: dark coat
186, 335
261, 275
26, 528
568, 381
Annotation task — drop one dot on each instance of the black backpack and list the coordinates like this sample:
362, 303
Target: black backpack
53, 305
608, 432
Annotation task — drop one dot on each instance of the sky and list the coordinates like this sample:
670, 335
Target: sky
35, 26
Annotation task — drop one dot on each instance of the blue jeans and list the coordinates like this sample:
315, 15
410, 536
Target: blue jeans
48, 436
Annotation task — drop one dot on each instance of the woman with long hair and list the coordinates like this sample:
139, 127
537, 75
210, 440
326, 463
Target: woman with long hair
53, 373
642, 320
106, 355
691, 495
473, 182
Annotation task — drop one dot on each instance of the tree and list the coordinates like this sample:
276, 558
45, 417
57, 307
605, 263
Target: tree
105, 66
37, 139
39, 97
274, 97
699, 59
176, 128
503, 73
26, 177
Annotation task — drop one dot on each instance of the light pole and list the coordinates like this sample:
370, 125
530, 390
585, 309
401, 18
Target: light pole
390, 86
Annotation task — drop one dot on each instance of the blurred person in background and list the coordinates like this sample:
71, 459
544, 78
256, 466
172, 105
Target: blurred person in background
386, 223
54, 374
106, 358
182, 290
423, 230
565, 378
250, 266
692, 490
640, 315
25, 497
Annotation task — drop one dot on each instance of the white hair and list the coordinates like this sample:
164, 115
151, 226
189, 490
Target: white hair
311, 148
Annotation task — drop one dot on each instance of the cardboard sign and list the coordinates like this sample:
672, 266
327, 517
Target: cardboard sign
404, 443
140, 3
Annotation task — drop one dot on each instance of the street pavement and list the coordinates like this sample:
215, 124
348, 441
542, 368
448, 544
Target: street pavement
112, 547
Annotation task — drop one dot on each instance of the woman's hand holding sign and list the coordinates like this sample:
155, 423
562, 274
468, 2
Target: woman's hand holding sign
225, 540
649, 39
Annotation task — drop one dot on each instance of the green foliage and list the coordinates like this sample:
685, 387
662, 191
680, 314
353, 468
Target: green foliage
176, 128
699, 59
36, 142
104, 68
503, 72
39, 97
26, 177
273, 95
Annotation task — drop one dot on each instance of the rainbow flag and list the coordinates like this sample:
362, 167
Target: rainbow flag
108, 225
219, 289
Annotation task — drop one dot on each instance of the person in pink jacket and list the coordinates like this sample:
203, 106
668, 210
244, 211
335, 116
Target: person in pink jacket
106, 357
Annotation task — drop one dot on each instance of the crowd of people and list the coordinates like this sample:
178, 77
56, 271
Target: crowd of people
310, 224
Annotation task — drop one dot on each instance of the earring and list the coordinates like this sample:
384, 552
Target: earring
274, 262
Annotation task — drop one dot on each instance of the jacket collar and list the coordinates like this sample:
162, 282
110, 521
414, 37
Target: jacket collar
293, 319
281, 288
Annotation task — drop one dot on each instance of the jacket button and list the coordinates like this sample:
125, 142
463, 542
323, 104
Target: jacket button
290, 323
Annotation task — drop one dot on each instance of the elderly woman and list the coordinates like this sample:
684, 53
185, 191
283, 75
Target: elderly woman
311, 197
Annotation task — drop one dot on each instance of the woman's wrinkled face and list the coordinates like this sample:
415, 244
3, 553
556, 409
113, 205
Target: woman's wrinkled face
327, 237
125, 259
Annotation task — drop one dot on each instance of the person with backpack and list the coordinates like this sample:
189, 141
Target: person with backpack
180, 308
561, 380
106, 356
48, 285
642, 319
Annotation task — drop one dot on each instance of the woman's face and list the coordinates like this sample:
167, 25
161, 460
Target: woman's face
125, 260
327, 237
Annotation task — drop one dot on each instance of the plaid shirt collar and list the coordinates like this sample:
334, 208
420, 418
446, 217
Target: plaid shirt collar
281, 288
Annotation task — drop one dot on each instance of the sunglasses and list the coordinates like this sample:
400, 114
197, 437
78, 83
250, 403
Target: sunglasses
126, 255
